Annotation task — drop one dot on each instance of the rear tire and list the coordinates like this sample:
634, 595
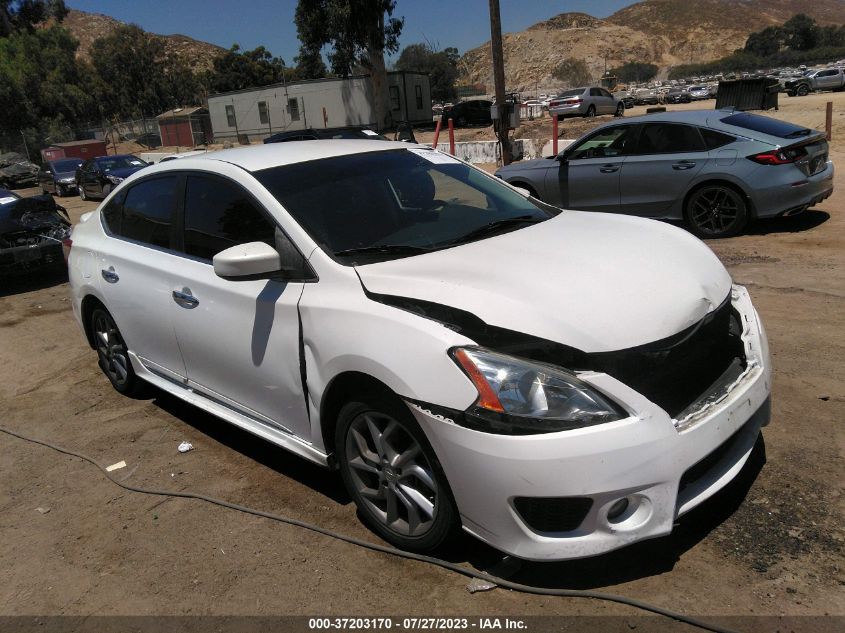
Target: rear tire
392, 474
113, 354
620, 110
591, 112
82, 194
716, 211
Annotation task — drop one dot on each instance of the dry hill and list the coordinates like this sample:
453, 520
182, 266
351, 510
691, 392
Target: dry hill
663, 32
87, 27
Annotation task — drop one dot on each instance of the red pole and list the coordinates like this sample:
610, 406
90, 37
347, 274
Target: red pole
554, 134
437, 132
451, 137
828, 120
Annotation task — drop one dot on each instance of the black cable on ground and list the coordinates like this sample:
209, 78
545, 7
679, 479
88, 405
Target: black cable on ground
507, 584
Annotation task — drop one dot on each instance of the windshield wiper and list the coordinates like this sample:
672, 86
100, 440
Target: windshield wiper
383, 248
497, 225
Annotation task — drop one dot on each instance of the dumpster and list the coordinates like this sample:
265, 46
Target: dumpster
760, 93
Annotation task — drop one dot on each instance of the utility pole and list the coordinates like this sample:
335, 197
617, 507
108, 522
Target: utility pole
499, 78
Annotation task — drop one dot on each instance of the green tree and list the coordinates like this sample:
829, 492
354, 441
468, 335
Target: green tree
41, 85
236, 69
635, 71
573, 72
441, 66
765, 43
801, 32
24, 15
358, 31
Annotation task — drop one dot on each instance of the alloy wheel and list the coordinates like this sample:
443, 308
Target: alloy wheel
114, 358
391, 474
716, 210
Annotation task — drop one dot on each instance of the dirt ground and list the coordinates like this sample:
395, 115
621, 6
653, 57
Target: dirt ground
74, 544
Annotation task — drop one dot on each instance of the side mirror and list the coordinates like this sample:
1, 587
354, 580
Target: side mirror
523, 191
246, 261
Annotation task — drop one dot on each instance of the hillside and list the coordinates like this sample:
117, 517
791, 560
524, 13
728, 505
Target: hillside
87, 27
662, 32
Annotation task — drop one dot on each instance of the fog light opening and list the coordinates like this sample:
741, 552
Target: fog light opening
617, 509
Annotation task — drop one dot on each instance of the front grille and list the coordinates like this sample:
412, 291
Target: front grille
676, 371
553, 514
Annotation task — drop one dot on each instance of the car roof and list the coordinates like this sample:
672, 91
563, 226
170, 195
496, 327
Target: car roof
705, 118
257, 157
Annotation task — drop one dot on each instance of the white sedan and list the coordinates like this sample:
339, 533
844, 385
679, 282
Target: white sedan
557, 383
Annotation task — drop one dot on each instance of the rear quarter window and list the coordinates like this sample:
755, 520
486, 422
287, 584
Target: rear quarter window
714, 139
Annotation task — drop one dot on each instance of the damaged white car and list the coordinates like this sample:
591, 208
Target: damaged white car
557, 383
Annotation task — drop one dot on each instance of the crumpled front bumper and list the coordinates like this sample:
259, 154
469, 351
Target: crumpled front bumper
663, 467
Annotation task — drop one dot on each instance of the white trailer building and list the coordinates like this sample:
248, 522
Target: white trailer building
317, 103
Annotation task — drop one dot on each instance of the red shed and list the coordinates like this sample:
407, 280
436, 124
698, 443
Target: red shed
75, 149
185, 127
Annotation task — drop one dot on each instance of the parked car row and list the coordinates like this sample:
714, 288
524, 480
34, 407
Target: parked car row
92, 178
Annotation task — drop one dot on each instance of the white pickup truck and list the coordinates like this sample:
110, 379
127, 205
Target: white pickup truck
826, 79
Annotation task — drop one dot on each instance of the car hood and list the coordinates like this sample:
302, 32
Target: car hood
590, 281
525, 165
124, 172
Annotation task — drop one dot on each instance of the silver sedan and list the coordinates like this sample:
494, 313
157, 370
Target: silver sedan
716, 170
586, 102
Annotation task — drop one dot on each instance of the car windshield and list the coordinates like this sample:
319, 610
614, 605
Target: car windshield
119, 162
766, 125
384, 205
67, 164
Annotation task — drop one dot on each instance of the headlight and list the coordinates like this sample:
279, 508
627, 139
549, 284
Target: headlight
114, 179
518, 397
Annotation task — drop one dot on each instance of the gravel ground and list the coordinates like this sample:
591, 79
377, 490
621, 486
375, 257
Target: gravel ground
74, 544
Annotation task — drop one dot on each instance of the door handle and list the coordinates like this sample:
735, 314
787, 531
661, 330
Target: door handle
684, 164
109, 275
185, 299
609, 169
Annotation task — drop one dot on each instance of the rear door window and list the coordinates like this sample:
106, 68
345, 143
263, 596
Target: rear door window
669, 138
218, 215
148, 211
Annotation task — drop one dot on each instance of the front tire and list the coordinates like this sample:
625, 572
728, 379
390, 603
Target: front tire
716, 211
803, 90
392, 474
113, 354
82, 194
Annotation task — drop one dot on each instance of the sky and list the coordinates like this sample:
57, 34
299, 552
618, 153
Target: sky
463, 24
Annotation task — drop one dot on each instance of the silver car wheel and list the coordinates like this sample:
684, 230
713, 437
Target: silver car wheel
391, 473
715, 210
114, 358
